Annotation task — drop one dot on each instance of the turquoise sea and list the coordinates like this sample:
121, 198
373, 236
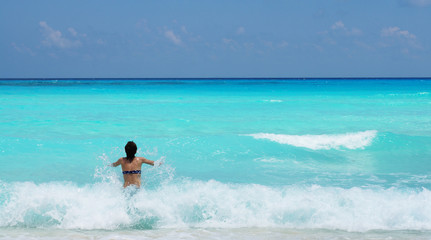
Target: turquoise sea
242, 159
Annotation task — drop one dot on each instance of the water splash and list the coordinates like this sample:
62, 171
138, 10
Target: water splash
212, 204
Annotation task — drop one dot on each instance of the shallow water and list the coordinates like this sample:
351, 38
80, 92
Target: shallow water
238, 233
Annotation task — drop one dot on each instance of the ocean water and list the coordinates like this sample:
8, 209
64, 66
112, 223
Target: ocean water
242, 159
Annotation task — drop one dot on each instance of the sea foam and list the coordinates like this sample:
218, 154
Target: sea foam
352, 140
212, 204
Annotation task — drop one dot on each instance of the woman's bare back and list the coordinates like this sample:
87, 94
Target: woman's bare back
132, 170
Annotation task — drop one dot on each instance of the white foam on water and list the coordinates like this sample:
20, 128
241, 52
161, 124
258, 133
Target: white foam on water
268, 160
352, 140
212, 204
273, 100
409, 94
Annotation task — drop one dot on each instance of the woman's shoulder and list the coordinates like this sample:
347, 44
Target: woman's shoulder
140, 158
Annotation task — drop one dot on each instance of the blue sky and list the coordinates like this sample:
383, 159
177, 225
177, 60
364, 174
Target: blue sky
308, 38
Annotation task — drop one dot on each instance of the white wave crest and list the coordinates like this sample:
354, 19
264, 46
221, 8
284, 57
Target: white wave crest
353, 140
212, 204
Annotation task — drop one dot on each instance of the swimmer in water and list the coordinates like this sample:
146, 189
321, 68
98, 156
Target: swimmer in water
131, 165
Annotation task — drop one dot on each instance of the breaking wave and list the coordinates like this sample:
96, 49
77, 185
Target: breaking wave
189, 203
353, 140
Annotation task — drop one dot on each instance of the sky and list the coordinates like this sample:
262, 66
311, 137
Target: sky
217, 38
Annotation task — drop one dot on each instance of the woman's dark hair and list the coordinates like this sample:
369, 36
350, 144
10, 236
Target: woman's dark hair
130, 149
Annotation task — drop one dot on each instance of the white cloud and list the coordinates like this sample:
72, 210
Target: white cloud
402, 38
100, 42
397, 32
55, 38
283, 44
418, 3
318, 47
184, 29
355, 31
228, 41
143, 24
169, 34
268, 44
338, 25
72, 31
248, 45
240, 31
23, 49
405, 51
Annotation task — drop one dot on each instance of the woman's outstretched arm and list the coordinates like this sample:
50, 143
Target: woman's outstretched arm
115, 164
149, 162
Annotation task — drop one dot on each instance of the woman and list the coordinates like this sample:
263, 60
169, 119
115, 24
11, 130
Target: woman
131, 165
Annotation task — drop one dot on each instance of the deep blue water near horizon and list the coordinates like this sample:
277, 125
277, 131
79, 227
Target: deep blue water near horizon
323, 157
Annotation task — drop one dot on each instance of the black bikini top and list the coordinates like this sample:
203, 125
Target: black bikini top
132, 172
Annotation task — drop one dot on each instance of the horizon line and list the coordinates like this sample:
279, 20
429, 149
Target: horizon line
213, 78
